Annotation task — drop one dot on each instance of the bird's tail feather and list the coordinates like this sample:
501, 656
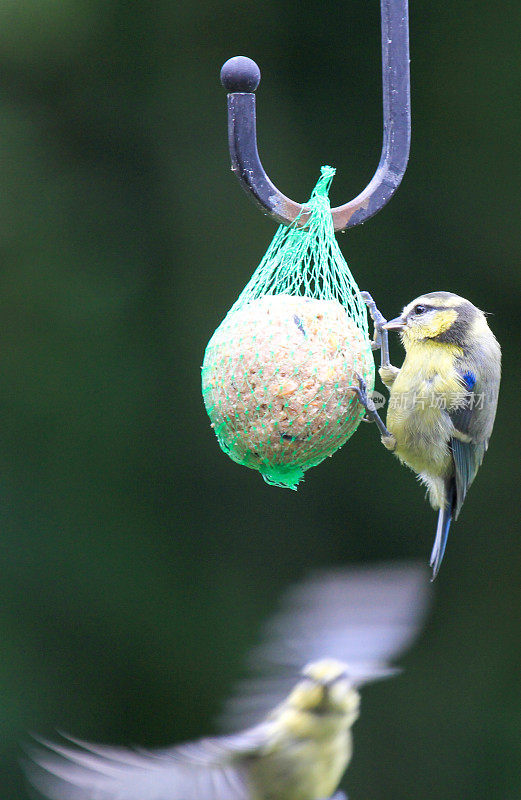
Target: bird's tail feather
442, 531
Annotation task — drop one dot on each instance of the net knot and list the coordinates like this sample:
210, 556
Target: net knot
324, 182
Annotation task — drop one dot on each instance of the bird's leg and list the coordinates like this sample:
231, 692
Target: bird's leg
387, 372
380, 341
388, 440
368, 403
380, 336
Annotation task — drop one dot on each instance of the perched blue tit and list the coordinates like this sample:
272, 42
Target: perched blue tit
303, 743
443, 400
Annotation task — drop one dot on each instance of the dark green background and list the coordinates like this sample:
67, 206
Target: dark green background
137, 561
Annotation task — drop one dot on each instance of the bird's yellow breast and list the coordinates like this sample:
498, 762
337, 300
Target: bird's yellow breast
425, 389
302, 768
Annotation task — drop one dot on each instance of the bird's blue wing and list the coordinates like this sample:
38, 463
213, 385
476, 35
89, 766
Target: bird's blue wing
467, 451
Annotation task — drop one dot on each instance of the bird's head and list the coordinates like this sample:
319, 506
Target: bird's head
325, 688
438, 316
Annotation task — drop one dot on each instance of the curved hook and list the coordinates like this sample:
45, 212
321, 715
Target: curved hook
241, 76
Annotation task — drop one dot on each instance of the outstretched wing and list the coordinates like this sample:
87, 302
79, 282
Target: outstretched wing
212, 769
363, 616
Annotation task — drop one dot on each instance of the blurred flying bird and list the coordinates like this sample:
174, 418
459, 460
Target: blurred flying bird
346, 625
442, 401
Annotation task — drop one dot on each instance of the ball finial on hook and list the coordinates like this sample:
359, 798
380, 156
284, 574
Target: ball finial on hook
240, 74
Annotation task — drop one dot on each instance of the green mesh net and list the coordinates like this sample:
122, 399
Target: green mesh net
278, 372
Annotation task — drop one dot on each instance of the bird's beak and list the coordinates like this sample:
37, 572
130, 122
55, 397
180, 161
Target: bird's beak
396, 324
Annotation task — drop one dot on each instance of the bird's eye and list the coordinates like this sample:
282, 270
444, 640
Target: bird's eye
420, 309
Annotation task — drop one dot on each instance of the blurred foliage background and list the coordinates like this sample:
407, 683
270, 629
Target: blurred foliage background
138, 562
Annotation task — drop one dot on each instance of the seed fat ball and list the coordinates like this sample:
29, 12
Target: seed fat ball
277, 383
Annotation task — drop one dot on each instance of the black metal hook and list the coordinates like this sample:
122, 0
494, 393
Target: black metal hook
241, 76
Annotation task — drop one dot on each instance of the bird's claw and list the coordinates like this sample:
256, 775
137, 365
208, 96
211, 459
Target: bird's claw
380, 339
376, 343
370, 409
363, 397
376, 315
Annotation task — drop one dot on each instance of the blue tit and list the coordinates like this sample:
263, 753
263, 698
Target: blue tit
302, 744
443, 399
